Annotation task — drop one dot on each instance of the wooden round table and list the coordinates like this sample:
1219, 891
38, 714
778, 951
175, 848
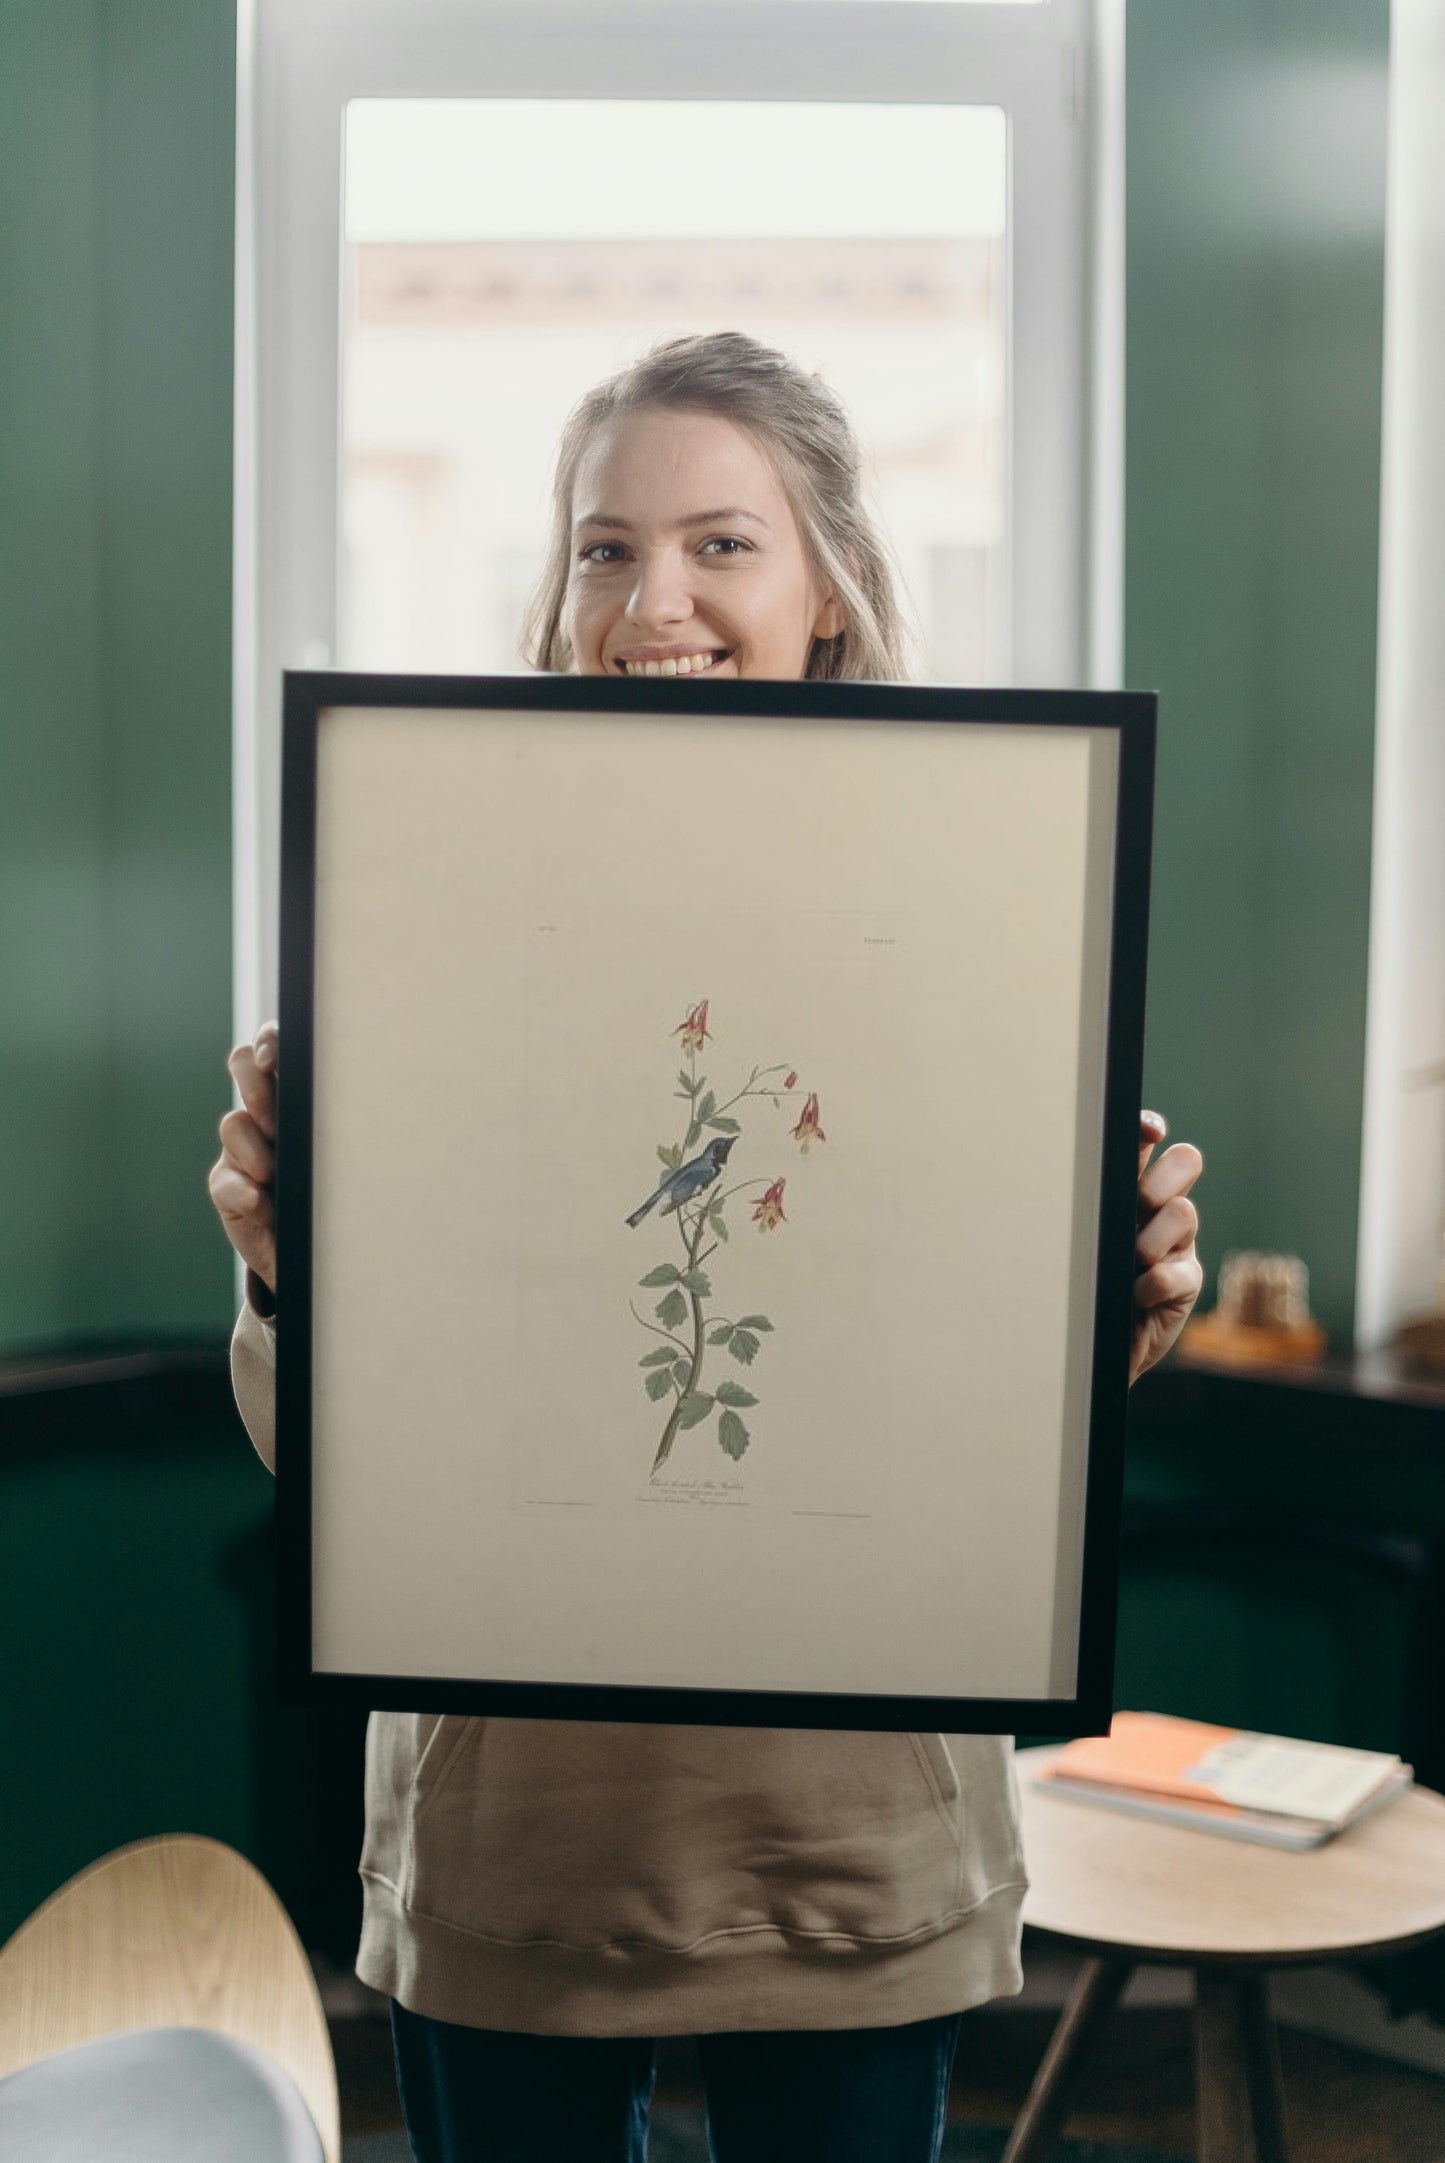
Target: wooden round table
1125, 1890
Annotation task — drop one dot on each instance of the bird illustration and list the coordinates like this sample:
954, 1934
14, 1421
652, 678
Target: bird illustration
689, 1179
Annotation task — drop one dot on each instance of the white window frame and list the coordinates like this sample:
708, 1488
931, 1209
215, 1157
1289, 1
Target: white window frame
1402, 1164
1050, 67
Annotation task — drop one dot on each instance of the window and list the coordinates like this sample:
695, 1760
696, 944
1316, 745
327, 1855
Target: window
501, 258
1402, 1181
449, 214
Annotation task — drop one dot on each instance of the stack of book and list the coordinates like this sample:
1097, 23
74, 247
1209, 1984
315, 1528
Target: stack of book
1268, 1788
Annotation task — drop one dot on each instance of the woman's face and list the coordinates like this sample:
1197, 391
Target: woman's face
686, 556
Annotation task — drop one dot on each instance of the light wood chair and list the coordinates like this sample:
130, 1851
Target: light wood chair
1126, 1890
175, 1932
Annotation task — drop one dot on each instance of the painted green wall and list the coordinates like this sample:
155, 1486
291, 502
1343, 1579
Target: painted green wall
52, 916
1289, 1638
116, 133
1255, 268
127, 1571
137, 1597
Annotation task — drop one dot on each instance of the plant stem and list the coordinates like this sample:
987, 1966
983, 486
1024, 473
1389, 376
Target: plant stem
741, 1187
669, 1432
748, 1090
654, 1328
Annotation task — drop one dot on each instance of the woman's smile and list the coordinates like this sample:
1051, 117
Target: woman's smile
672, 660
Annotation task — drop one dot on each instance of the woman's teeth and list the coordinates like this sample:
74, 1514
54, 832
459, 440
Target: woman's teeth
687, 664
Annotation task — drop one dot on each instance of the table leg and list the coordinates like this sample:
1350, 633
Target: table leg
1241, 2117
1261, 2045
1095, 1994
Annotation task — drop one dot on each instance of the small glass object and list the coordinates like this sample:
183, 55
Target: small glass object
1262, 1316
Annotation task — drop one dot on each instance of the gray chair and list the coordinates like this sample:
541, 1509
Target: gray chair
160, 2007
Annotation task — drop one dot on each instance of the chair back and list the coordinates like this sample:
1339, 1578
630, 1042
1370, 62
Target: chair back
174, 1932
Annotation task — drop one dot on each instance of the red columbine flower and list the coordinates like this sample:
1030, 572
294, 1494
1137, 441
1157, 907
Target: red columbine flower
694, 1031
792, 1080
808, 1130
769, 1211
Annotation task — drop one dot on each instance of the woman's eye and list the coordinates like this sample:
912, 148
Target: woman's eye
729, 544
594, 552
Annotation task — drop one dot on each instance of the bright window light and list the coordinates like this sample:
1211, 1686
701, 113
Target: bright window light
505, 254
613, 169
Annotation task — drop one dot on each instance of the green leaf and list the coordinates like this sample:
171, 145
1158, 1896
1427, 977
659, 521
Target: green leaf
693, 1133
686, 1082
694, 1409
723, 1124
734, 1393
733, 1435
671, 1157
720, 1227
672, 1309
743, 1346
659, 1382
754, 1321
721, 1334
682, 1374
662, 1357
696, 1280
663, 1274
706, 1104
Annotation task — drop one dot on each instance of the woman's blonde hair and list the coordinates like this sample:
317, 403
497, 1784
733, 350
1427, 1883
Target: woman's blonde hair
804, 428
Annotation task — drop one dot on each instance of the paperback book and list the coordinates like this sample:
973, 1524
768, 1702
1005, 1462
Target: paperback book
1272, 1789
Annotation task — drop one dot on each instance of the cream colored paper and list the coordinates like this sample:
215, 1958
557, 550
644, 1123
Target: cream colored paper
514, 913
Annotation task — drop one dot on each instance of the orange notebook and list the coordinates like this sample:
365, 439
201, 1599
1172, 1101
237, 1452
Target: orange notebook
1154, 1754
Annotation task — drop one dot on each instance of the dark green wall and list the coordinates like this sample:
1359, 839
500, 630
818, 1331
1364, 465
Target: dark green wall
138, 1695
116, 154
52, 904
130, 1553
1255, 268
1323, 1624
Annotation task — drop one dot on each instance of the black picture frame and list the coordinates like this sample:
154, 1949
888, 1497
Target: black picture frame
1131, 717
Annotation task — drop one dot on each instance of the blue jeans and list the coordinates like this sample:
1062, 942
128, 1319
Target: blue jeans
832, 2095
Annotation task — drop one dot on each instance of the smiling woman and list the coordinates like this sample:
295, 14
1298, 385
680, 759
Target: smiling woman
790, 578
544, 1896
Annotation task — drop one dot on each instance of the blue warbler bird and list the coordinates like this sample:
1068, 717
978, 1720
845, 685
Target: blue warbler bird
689, 1179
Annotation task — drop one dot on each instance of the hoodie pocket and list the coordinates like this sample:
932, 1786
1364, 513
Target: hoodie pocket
448, 1738
451, 1736
404, 1753
592, 1834
939, 1771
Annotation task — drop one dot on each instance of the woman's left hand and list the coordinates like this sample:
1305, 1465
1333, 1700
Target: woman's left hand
1168, 1273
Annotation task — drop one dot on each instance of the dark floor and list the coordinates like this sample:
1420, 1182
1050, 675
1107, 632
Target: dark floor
1343, 2106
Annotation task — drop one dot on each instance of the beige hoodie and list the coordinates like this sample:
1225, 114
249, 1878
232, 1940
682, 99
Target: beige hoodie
568, 1877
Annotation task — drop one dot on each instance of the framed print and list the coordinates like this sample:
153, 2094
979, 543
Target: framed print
708, 1140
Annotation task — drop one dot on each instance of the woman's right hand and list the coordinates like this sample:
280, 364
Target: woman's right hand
242, 1177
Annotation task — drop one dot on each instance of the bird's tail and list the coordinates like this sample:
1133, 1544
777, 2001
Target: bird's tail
651, 1203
